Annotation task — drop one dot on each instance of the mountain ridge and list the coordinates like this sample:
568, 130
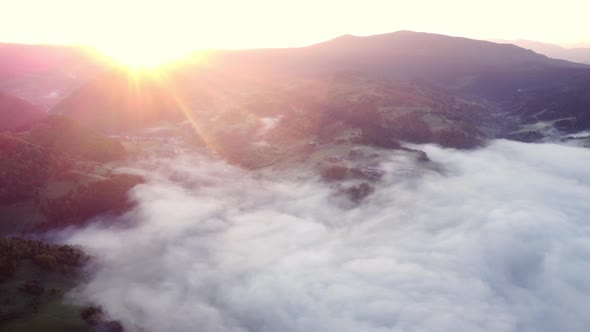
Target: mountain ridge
574, 54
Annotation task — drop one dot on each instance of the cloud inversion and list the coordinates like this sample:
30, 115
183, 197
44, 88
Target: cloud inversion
494, 240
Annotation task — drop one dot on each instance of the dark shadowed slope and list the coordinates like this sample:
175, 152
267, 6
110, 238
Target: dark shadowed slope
552, 110
64, 136
17, 114
24, 167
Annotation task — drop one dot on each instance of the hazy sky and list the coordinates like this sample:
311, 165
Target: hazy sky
180, 24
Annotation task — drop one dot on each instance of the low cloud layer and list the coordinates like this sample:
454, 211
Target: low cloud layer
496, 239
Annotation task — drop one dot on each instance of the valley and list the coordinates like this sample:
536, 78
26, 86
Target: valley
337, 149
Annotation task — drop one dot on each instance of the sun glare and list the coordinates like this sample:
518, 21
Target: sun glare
144, 55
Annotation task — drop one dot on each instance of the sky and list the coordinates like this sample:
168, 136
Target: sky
180, 24
494, 240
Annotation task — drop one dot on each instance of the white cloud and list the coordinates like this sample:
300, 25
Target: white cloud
490, 240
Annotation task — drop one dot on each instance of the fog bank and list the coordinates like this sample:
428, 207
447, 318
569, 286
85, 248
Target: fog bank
496, 239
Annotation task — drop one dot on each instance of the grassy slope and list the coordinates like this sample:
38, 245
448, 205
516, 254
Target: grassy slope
51, 177
266, 126
34, 277
54, 163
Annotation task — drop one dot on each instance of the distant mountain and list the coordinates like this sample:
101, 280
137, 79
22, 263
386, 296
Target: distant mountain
576, 54
551, 111
228, 113
471, 68
580, 45
19, 59
17, 114
498, 78
45, 74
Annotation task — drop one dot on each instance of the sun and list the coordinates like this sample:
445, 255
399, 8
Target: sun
135, 54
